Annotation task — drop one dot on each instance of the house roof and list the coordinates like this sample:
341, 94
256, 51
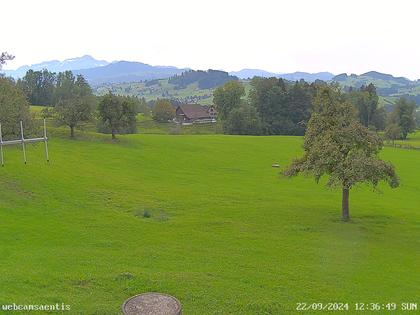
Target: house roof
194, 111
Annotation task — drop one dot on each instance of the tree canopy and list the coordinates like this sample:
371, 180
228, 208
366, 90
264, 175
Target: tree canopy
404, 116
74, 101
204, 79
243, 120
163, 111
13, 109
39, 87
228, 97
284, 108
117, 114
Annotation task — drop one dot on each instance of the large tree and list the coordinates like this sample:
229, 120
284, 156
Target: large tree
38, 86
243, 120
117, 114
228, 97
284, 108
13, 109
269, 97
74, 100
404, 116
163, 111
365, 100
339, 146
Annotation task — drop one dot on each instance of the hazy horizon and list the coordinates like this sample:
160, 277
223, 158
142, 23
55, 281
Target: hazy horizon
276, 36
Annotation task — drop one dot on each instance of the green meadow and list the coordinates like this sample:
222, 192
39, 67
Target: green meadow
412, 141
202, 217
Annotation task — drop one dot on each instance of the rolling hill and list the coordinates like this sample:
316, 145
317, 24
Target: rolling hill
188, 87
161, 88
390, 88
294, 76
250, 73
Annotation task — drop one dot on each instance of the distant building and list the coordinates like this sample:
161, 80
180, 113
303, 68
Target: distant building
195, 114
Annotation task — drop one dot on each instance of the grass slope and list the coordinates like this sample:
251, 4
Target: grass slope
226, 235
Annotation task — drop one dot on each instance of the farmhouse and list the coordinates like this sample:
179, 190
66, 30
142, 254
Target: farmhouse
195, 114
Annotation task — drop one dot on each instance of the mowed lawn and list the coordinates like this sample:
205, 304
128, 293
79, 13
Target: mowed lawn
226, 234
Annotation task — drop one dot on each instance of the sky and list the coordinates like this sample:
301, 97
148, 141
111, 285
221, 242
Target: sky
338, 36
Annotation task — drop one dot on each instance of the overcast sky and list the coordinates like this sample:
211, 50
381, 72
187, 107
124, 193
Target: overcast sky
280, 36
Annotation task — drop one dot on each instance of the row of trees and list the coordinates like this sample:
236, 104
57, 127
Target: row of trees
204, 79
71, 101
39, 86
274, 106
74, 103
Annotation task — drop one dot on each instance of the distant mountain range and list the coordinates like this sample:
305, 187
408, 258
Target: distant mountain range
84, 62
295, 76
127, 71
101, 72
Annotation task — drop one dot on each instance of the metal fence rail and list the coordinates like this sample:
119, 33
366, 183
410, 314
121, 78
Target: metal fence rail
23, 141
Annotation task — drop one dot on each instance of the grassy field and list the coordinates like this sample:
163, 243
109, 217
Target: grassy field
205, 218
413, 140
145, 125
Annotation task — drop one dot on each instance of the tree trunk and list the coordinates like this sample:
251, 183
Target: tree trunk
71, 131
345, 205
113, 135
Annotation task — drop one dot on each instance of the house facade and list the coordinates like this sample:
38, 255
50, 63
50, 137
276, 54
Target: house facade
195, 114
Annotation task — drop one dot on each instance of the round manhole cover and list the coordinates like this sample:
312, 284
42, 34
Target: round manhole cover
152, 304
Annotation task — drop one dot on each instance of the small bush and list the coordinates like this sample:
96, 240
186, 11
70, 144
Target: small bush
125, 276
147, 214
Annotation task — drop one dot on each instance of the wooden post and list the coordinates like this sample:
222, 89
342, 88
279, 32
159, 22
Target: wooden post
23, 141
46, 142
1, 147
